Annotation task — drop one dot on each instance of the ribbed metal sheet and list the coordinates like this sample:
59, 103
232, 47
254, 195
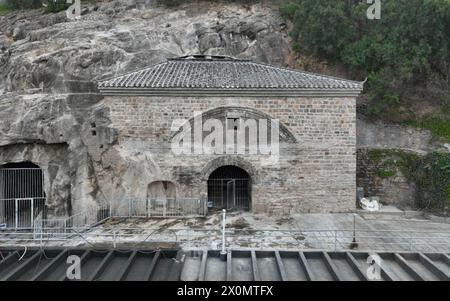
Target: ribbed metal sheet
173, 265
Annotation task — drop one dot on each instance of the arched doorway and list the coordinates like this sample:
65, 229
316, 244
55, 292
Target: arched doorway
161, 190
229, 187
22, 196
162, 199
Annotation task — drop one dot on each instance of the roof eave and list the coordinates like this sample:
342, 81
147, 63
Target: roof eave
261, 92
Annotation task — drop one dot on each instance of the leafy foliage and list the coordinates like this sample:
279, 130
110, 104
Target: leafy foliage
432, 178
175, 3
408, 46
23, 4
4, 8
387, 162
437, 123
54, 6
51, 6
430, 174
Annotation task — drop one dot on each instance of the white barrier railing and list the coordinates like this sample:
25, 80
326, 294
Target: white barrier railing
62, 227
20, 213
130, 207
242, 239
154, 207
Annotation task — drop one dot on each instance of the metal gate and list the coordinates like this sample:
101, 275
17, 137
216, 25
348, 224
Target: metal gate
229, 194
179, 207
22, 197
159, 207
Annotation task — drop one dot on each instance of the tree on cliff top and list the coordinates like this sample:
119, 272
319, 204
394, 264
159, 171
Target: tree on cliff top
407, 48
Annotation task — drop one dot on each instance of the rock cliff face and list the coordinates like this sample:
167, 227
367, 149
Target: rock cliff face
49, 65
48, 51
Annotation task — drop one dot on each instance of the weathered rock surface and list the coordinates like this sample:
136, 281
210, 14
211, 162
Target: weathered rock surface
49, 65
54, 132
43, 50
50, 109
378, 135
395, 190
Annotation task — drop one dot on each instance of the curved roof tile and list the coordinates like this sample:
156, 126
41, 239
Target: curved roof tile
222, 73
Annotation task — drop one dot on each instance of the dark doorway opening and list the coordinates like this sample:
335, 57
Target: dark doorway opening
22, 196
229, 187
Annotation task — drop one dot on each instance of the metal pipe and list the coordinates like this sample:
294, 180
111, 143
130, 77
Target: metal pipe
223, 253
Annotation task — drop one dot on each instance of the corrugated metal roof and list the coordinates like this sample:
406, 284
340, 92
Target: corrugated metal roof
219, 73
149, 265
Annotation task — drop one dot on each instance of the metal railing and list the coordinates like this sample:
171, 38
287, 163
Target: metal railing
78, 229
342, 239
241, 239
131, 207
55, 228
159, 207
20, 213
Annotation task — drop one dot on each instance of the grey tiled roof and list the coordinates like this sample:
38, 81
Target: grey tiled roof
219, 73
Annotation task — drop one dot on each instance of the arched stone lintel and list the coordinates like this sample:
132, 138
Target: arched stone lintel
285, 134
230, 160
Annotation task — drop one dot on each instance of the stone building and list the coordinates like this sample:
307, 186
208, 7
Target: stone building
192, 132
307, 122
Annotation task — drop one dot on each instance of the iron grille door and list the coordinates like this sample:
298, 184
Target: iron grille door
229, 194
22, 196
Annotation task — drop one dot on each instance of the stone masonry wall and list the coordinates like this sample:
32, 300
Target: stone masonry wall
317, 173
393, 190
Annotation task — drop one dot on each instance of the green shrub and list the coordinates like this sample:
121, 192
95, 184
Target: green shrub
175, 3
430, 174
388, 162
24, 4
438, 125
54, 6
386, 173
432, 178
289, 9
408, 47
384, 101
4, 8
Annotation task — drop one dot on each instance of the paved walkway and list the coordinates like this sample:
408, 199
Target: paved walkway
390, 231
387, 231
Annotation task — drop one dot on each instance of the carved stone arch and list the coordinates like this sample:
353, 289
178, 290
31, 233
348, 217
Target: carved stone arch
162, 190
229, 182
246, 112
230, 160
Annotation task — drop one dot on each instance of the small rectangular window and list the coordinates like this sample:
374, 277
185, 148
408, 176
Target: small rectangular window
233, 123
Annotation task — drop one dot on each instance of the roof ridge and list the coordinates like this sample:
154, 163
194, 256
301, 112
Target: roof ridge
206, 57
225, 73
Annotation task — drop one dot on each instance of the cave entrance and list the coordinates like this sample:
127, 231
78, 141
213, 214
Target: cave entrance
22, 196
229, 187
